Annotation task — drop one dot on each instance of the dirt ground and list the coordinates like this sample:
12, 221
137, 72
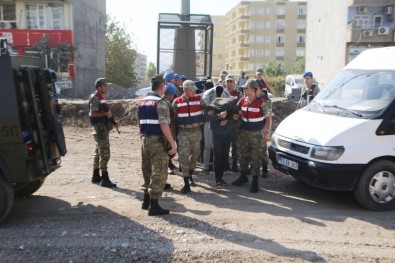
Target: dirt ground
72, 220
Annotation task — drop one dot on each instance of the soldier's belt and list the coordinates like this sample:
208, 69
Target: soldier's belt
190, 126
153, 137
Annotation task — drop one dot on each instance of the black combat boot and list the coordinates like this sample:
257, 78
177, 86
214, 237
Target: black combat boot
265, 171
254, 184
105, 181
186, 189
191, 181
155, 209
96, 178
146, 201
234, 166
241, 180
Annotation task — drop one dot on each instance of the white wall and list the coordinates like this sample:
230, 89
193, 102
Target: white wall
326, 38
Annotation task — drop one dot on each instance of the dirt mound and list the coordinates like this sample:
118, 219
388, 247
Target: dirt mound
75, 112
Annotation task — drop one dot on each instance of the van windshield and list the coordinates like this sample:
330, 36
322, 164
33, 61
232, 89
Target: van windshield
357, 93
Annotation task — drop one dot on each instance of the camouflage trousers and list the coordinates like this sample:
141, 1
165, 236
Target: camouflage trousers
102, 148
188, 148
250, 150
265, 156
235, 142
154, 164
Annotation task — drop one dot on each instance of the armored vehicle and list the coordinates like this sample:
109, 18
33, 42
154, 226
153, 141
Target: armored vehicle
31, 132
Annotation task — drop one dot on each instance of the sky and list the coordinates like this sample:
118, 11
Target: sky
140, 20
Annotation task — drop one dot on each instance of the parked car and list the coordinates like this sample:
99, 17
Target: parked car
344, 140
293, 86
142, 91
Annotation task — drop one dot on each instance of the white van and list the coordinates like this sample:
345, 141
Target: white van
345, 138
293, 86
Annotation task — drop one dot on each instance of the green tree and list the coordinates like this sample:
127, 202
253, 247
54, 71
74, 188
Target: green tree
299, 66
274, 68
151, 71
119, 55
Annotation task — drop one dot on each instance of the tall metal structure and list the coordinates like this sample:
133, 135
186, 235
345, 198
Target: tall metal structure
185, 43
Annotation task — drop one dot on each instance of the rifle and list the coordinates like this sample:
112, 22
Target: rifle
112, 120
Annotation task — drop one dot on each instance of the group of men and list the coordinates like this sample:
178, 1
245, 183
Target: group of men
170, 120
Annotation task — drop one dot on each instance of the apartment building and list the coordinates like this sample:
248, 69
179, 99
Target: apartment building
140, 65
256, 32
78, 24
340, 30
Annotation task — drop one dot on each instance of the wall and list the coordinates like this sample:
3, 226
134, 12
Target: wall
89, 41
326, 38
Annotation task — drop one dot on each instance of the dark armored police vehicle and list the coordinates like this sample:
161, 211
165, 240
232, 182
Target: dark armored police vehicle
31, 132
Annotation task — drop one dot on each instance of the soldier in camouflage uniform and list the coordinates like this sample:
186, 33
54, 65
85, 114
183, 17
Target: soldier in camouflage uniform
102, 122
188, 110
253, 132
157, 143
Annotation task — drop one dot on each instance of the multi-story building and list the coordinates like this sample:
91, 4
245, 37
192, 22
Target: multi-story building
260, 31
140, 65
219, 44
339, 30
79, 25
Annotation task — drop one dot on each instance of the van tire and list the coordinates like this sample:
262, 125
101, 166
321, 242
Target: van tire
375, 190
29, 188
6, 198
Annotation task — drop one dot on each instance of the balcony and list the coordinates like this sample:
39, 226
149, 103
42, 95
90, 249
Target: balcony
279, 44
280, 30
301, 44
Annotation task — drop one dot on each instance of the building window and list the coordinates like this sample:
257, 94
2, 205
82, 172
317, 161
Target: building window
42, 16
280, 39
300, 40
268, 11
267, 39
7, 16
301, 11
260, 39
252, 10
7, 13
260, 25
252, 25
279, 52
280, 24
219, 56
301, 25
259, 53
361, 21
251, 39
280, 11
300, 53
268, 25
260, 11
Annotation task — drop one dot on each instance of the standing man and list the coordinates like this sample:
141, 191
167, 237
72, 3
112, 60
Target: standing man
157, 143
263, 84
253, 133
265, 156
242, 80
102, 122
236, 96
189, 118
170, 94
311, 90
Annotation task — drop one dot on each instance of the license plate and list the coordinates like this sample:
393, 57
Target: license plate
288, 163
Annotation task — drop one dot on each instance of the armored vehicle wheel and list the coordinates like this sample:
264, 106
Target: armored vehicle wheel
28, 189
375, 190
6, 198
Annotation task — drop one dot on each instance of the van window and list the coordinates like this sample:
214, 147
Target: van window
365, 92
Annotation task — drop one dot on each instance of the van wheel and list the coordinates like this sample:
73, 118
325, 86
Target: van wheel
6, 198
28, 189
375, 190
